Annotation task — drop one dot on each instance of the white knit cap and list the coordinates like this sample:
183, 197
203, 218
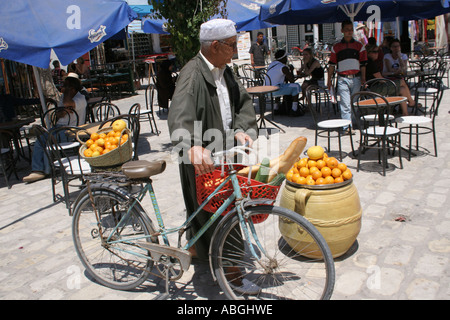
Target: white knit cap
217, 29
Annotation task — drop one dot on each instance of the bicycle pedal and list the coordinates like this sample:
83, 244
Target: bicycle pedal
158, 250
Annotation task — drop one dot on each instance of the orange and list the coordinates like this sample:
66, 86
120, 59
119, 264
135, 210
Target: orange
94, 136
304, 171
117, 134
303, 162
111, 133
115, 140
316, 174
301, 180
320, 163
296, 178
325, 172
347, 174
332, 162
312, 163
329, 180
342, 166
102, 136
310, 182
89, 143
87, 153
113, 146
96, 154
105, 151
93, 146
336, 172
289, 174
320, 181
338, 180
312, 169
325, 156
100, 142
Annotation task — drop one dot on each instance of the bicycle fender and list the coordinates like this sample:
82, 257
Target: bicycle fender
228, 216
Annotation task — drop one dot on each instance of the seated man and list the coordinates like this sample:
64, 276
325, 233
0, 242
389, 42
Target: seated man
73, 101
277, 75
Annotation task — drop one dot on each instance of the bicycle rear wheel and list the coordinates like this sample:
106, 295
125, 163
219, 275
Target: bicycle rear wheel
117, 263
275, 269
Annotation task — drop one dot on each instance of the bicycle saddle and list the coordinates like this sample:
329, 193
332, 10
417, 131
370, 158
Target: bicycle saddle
143, 168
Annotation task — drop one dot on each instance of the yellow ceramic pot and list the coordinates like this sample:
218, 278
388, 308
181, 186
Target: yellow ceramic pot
335, 210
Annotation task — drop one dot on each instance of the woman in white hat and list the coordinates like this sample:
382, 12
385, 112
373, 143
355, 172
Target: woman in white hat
73, 101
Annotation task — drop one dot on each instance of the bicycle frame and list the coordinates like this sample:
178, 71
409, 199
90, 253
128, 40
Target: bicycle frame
164, 232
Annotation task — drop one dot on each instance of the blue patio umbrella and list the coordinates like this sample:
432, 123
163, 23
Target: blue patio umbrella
294, 12
245, 13
153, 25
30, 29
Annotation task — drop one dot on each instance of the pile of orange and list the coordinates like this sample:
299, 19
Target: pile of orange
102, 143
318, 171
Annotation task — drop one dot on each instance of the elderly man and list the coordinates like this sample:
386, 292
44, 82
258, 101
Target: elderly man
210, 110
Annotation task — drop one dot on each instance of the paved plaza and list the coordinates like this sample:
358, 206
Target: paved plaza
402, 251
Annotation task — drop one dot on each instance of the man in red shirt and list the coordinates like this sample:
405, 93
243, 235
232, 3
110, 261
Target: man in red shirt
349, 58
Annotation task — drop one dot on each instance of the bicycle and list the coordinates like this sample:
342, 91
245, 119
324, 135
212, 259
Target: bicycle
119, 245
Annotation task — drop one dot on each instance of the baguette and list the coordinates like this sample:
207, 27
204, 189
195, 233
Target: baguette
289, 157
282, 163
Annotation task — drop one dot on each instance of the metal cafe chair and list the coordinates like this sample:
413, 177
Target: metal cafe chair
65, 167
150, 93
105, 110
419, 125
376, 133
7, 162
319, 104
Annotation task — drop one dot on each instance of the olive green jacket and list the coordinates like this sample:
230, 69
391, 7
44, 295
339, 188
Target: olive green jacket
195, 99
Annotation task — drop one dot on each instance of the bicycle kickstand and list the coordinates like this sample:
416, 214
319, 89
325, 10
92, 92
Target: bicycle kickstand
165, 295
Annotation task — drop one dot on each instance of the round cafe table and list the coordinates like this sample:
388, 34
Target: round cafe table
381, 102
261, 92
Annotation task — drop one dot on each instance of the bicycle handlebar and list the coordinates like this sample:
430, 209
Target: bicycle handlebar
227, 154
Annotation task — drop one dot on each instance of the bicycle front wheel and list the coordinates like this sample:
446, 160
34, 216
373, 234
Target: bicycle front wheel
108, 245
277, 262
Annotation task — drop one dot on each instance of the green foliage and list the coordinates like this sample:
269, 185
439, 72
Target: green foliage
184, 18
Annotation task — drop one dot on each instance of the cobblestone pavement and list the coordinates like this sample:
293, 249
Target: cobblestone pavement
390, 260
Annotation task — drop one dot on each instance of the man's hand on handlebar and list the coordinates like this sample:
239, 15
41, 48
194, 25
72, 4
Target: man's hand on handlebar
201, 158
244, 139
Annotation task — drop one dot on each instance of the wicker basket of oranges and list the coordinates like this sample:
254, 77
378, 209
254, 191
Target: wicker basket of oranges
108, 147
